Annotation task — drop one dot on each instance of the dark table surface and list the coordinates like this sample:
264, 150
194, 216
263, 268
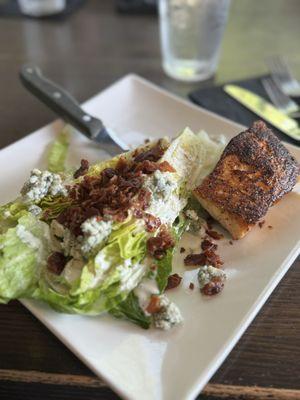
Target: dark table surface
86, 52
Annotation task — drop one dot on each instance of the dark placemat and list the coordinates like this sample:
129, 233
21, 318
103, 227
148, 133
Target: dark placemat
137, 6
216, 100
10, 8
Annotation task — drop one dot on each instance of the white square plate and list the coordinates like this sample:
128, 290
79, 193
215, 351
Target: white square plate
152, 364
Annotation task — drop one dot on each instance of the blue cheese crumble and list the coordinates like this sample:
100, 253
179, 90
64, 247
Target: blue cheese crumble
94, 232
42, 183
166, 202
168, 316
63, 240
161, 184
35, 210
207, 273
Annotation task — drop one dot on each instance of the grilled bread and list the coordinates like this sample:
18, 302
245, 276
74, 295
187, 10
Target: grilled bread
254, 171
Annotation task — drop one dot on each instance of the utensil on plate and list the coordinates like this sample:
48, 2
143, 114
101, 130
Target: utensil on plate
65, 105
265, 110
282, 74
283, 102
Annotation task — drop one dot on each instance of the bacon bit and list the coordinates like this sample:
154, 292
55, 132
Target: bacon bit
261, 223
56, 262
153, 154
215, 286
231, 242
84, 166
147, 167
270, 226
213, 259
195, 259
113, 192
157, 245
154, 305
152, 223
182, 249
206, 258
166, 167
153, 267
214, 234
173, 281
147, 141
191, 286
208, 245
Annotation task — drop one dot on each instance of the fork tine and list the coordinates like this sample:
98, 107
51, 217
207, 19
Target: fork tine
284, 67
279, 98
268, 88
283, 75
276, 69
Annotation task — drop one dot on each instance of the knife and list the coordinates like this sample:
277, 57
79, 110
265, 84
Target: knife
65, 106
264, 109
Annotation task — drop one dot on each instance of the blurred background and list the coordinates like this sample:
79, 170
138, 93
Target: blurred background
94, 42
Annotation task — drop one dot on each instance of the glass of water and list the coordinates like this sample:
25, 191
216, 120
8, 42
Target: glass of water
191, 32
39, 8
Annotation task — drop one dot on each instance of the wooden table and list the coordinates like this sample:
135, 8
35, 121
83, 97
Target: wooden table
85, 53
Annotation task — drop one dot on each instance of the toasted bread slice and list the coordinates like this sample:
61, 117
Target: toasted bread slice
254, 171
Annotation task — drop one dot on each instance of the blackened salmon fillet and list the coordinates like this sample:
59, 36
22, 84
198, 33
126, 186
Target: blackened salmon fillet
255, 171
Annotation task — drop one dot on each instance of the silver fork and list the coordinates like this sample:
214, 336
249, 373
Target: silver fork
279, 99
283, 76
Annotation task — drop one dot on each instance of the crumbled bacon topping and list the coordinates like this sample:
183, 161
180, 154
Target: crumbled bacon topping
208, 245
56, 262
83, 169
114, 191
153, 154
195, 259
207, 257
152, 223
214, 234
173, 281
213, 287
154, 305
158, 245
191, 286
165, 167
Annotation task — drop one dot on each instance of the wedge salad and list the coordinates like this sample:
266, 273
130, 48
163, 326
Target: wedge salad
101, 239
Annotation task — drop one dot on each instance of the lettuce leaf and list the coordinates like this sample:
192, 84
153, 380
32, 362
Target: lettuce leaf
130, 310
58, 153
10, 214
22, 250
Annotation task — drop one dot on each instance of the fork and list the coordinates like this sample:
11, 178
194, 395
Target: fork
283, 76
279, 99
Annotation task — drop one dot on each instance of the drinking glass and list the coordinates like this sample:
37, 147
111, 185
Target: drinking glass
191, 32
39, 8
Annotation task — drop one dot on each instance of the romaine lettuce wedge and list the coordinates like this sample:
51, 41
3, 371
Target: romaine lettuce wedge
106, 277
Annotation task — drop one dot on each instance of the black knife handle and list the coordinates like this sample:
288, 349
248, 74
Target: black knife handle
60, 101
